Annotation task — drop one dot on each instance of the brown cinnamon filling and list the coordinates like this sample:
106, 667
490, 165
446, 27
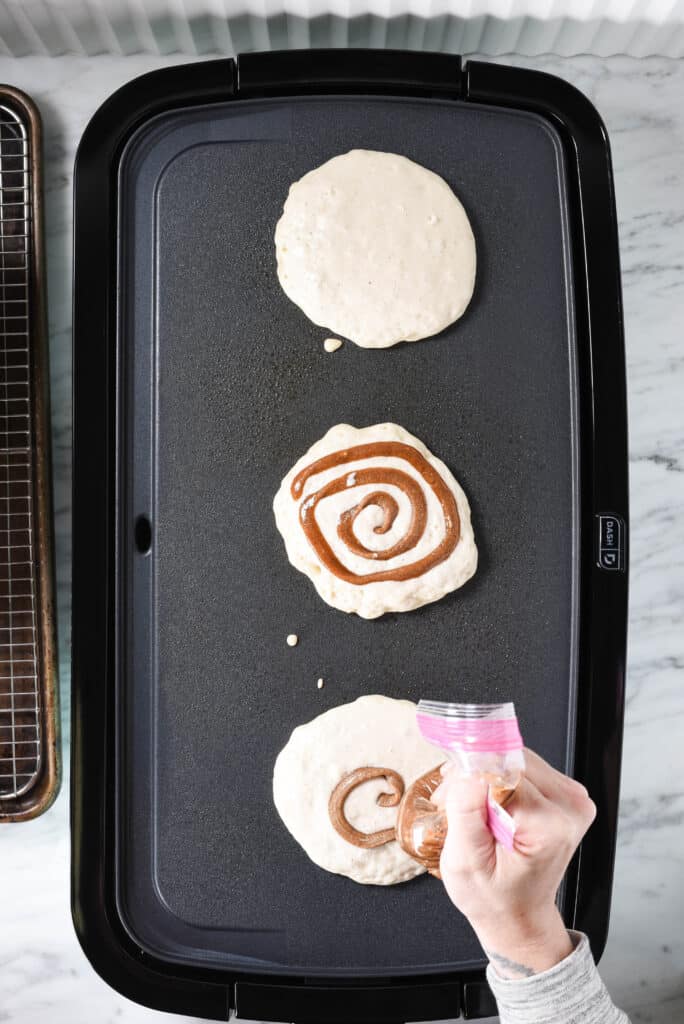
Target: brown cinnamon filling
386, 503
338, 798
421, 826
424, 844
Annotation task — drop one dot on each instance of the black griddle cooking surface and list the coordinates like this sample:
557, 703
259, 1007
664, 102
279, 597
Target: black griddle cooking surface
226, 384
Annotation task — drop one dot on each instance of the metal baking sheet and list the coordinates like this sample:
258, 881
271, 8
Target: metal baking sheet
223, 384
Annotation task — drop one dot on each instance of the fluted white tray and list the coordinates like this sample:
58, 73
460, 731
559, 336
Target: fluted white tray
566, 27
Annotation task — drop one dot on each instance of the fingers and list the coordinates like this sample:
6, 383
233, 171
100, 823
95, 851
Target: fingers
439, 795
551, 812
464, 794
561, 790
469, 844
547, 824
553, 784
538, 821
450, 771
528, 802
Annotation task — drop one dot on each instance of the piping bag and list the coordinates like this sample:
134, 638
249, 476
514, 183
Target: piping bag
478, 739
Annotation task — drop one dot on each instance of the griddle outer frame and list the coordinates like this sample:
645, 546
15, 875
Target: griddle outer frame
604, 489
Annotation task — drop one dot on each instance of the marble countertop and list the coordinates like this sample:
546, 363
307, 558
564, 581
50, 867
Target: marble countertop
43, 973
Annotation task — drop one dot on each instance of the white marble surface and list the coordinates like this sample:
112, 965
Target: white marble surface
43, 974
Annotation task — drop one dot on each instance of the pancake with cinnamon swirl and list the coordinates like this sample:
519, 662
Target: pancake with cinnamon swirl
375, 521
338, 785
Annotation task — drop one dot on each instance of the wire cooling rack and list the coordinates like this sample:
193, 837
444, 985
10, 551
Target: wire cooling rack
28, 770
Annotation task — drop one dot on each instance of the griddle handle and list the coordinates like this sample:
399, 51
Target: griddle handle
478, 1001
392, 72
385, 1003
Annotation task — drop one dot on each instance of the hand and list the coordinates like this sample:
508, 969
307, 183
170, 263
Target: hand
509, 896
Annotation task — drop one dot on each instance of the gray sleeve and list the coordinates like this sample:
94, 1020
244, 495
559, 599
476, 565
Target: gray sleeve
569, 993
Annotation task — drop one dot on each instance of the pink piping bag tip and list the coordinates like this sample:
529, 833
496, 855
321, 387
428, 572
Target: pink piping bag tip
500, 824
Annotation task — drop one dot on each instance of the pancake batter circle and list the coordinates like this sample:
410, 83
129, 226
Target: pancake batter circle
373, 730
376, 248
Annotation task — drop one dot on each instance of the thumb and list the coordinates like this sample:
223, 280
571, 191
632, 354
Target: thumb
469, 844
